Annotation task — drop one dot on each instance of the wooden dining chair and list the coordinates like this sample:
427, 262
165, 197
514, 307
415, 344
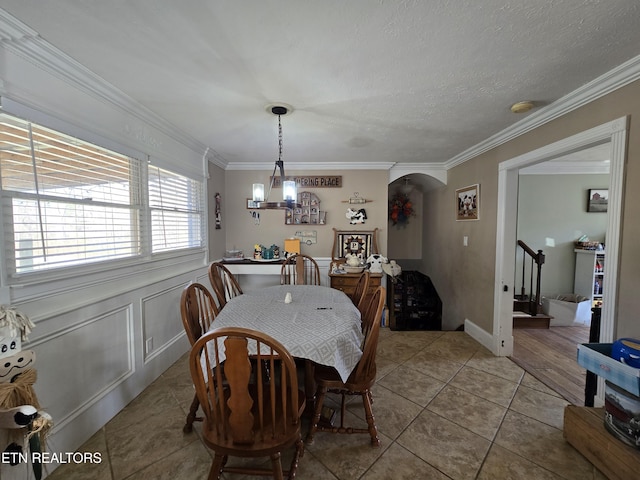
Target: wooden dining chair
299, 269
224, 284
198, 310
252, 409
360, 292
360, 381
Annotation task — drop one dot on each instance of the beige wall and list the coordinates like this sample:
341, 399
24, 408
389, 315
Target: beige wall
405, 241
215, 184
242, 232
464, 277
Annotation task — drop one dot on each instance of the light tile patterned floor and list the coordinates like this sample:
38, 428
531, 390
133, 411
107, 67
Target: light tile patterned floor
446, 408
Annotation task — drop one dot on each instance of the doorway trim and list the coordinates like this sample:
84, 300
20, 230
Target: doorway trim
614, 133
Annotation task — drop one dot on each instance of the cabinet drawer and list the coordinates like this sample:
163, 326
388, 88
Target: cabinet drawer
347, 283
343, 282
347, 290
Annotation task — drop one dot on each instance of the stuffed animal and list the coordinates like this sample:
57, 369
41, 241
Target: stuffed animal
375, 261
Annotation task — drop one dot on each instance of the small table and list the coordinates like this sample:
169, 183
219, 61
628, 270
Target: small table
321, 324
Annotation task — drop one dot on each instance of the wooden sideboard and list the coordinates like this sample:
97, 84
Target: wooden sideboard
355, 242
346, 282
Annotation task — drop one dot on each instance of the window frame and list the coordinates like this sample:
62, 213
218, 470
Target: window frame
100, 270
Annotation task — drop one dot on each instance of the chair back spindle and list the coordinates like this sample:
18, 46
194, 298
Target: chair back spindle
224, 283
360, 381
198, 310
360, 292
300, 269
247, 385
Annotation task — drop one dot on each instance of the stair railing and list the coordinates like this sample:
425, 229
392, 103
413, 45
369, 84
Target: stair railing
537, 259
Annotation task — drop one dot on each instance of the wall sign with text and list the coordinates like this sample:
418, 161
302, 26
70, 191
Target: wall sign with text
311, 181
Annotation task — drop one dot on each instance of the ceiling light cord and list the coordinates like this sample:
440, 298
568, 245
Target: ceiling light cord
279, 162
289, 190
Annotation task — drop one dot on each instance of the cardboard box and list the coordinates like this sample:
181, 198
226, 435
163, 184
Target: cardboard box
584, 429
596, 357
567, 310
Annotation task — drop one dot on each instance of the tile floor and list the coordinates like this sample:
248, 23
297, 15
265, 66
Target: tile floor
446, 408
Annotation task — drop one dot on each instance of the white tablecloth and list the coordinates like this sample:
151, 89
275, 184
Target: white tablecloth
320, 324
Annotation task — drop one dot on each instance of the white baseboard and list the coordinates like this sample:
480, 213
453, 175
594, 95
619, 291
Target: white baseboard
478, 334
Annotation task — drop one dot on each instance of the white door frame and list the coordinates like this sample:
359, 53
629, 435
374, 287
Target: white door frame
614, 133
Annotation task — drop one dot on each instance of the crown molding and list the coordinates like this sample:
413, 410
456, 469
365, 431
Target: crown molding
312, 166
614, 79
26, 43
12, 29
210, 155
435, 170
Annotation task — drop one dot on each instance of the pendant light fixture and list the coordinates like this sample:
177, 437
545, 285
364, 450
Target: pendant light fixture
289, 191
407, 188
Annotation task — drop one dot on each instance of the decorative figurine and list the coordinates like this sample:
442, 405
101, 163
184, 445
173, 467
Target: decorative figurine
392, 269
356, 216
218, 212
353, 260
23, 425
337, 268
375, 262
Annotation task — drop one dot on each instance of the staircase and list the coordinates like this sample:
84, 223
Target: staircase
527, 306
524, 319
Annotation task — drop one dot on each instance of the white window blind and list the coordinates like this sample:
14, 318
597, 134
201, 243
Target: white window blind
177, 211
67, 202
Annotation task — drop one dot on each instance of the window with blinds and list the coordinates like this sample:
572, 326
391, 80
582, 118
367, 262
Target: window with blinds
67, 202
176, 211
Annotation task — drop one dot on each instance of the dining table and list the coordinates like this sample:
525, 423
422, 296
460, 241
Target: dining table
316, 323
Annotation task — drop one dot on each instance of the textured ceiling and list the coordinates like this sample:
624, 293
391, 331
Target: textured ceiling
370, 81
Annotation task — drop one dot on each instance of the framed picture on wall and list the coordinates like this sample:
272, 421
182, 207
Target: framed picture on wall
468, 203
598, 200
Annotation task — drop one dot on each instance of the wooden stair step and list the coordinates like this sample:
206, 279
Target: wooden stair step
524, 320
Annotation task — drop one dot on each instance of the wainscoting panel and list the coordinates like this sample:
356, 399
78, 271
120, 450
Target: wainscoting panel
161, 322
92, 357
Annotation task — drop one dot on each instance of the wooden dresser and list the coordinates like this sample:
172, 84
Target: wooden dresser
346, 282
355, 242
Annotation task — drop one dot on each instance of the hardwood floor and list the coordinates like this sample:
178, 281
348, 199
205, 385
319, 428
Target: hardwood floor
550, 356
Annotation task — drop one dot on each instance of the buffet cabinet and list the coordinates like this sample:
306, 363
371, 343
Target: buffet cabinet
346, 282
